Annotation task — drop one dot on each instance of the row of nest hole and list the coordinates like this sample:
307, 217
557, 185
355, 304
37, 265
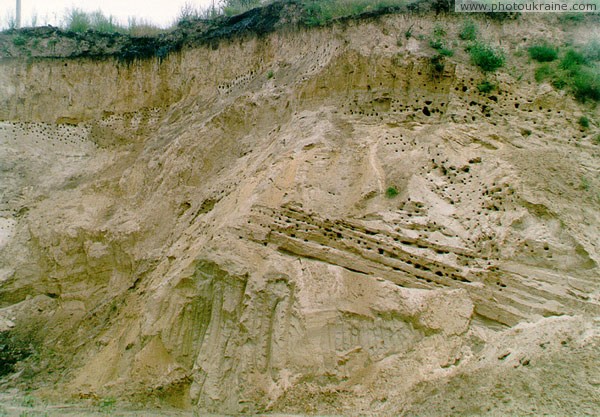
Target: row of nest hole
306, 230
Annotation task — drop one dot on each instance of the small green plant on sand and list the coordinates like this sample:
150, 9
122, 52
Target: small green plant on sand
391, 192
468, 31
438, 43
585, 184
584, 122
486, 87
107, 404
408, 32
437, 63
28, 401
19, 40
543, 53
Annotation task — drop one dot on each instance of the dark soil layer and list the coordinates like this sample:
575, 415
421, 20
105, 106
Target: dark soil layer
52, 42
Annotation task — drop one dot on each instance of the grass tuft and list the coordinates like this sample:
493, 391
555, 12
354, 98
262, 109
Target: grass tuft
572, 60
584, 122
468, 31
543, 53
586, 84
486, 87
391, 192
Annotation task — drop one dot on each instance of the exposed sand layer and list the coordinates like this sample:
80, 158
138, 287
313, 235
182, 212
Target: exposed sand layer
211, 231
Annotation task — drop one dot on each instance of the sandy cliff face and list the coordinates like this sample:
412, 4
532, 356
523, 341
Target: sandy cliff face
212, 230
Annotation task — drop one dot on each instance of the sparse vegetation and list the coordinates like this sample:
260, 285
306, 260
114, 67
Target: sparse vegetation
11, 21
584, 184
543, 72
391, 192
591, 51
76, 20
572, 60
486, 87
468, 31
586, 84
439, 31
543, 53
570, 17
577, 70
437, 63
101, 23
19, 40
526, 132
321, 12
141, 27
12, 351
408, 32
439, 46
584, 122
107, 405
486, 57
28, 401
437, 41
446, 52
233, 7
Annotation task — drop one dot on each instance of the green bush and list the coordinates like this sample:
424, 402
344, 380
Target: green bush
543, 72
486, 57
446, 52
12, 350
577, 70
559, 82
543, 53
586, 84
468, 31
572, 60
584, 122
77, 20
442, 6
104, 24
546, 72
19, 40
391, 192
